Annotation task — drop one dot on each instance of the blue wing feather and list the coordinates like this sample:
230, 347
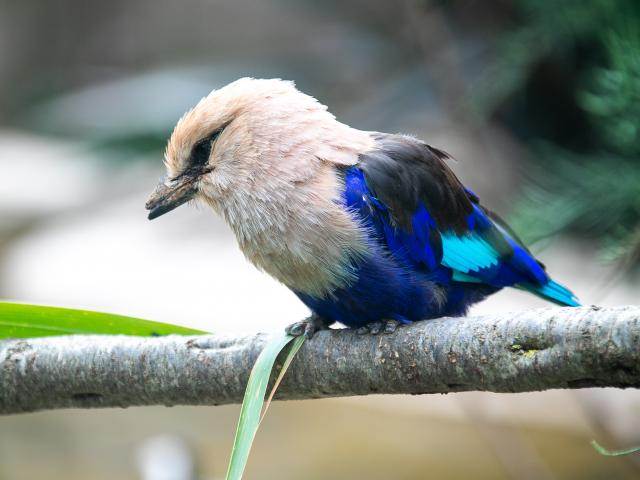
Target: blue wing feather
422, 245
485, 254
431, 249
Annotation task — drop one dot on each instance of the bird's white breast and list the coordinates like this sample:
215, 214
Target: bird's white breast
300, 233
277, 185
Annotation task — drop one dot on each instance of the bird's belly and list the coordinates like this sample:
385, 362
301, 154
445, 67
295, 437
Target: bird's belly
384, 289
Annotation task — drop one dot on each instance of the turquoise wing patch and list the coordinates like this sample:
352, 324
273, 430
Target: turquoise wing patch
467, 253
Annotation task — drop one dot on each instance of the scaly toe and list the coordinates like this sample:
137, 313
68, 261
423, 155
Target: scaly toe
391, 326
297, 329
310, 329
307, 327
381, 326
376, 327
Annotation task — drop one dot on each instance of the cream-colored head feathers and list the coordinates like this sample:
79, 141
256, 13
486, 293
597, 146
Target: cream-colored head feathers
216, 110
263, 120
273, 178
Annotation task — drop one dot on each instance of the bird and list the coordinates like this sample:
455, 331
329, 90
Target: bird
371, 230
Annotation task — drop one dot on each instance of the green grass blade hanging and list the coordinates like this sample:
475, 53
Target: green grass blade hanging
254, 399
26, 321
295, 346
613, 453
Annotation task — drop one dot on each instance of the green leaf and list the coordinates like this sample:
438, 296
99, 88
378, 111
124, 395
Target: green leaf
297, 343
26, 321
250, 418
613, 453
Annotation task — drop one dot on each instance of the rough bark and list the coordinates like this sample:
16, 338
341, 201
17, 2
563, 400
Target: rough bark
517, 352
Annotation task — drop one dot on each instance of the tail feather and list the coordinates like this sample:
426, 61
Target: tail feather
554, 292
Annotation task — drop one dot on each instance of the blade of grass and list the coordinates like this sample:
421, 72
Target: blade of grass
27, 321
295, 346
250, 418
613, 453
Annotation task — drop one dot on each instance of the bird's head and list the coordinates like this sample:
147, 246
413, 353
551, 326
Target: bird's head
234, 136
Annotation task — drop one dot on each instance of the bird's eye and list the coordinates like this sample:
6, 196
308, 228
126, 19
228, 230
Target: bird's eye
201, 150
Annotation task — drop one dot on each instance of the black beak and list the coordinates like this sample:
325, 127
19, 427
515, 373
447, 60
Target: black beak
169, 195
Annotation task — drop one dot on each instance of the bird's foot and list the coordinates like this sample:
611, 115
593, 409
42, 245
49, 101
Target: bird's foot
308, 327
381, 326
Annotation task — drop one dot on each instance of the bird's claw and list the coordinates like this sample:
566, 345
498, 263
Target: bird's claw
307, 327
381, 326
391, 326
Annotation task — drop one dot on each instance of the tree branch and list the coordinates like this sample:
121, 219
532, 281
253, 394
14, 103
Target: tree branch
517, 352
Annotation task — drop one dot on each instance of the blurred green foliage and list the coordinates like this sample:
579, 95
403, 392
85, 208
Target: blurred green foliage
585, 181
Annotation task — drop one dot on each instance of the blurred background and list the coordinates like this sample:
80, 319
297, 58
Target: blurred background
537, 100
